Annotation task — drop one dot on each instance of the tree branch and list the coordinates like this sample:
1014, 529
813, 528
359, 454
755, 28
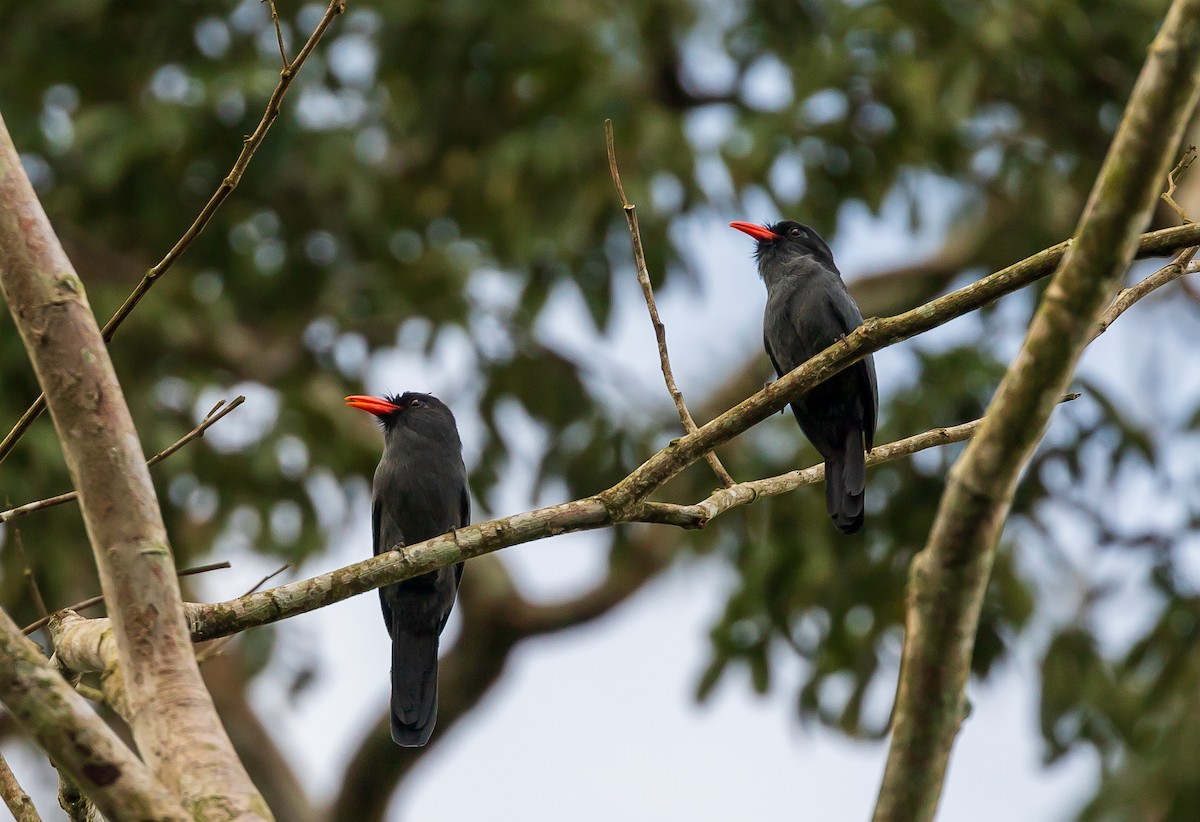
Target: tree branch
622, 503
744, 493
96, 600
17, 801
214, 416
120, 510
249, 146
78, 742
1126, 297
949, 577
660, 330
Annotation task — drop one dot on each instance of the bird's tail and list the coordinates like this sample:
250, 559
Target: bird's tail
414, 687
845, 484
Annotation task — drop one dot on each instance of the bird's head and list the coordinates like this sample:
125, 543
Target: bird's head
786, 239
411, 412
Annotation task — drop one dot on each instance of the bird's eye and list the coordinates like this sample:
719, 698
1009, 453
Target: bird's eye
414, 403
795, 232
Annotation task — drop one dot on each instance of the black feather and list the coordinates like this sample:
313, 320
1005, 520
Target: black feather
809, 309
419, 492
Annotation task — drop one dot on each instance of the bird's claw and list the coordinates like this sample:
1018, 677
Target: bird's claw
768, 384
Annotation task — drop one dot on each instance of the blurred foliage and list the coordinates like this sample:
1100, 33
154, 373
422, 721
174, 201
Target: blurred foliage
430, 148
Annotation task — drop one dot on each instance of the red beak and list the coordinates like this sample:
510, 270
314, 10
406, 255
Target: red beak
758, 232
372, 405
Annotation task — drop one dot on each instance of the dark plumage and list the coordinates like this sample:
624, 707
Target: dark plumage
419, 492
809, 309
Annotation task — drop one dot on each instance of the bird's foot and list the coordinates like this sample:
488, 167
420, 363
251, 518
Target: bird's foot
768, 384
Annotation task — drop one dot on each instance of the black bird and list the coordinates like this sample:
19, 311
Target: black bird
809, 309
419, 492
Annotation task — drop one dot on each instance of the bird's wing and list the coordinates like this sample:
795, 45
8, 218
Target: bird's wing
376, 516
464, 506
872, 402
464, 518
847, 315
375, 528
771, 355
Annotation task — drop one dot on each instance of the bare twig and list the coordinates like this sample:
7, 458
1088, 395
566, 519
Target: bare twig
267, 578
744, 493
212, 418
205, 654
278, 31
215, 415
250, 145
1173, 178
18, 802
96, 600
1126, 297
660, 330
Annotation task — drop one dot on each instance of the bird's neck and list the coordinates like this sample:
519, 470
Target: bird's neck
780, 271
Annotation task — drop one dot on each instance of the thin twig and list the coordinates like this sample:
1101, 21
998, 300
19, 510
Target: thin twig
214, 416
660, 330
212, 649
1179, 267
96, 600
18, 802
1173, 178
744, 493
250, 145
278, 31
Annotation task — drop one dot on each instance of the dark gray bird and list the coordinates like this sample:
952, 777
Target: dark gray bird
420, 491
809, 309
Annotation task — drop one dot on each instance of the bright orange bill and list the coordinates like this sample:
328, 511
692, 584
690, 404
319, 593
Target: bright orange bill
372, 405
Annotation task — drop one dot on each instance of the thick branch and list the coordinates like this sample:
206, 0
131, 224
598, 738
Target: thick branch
660, 330
950, 575
120, 510
76, 739
249, 146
